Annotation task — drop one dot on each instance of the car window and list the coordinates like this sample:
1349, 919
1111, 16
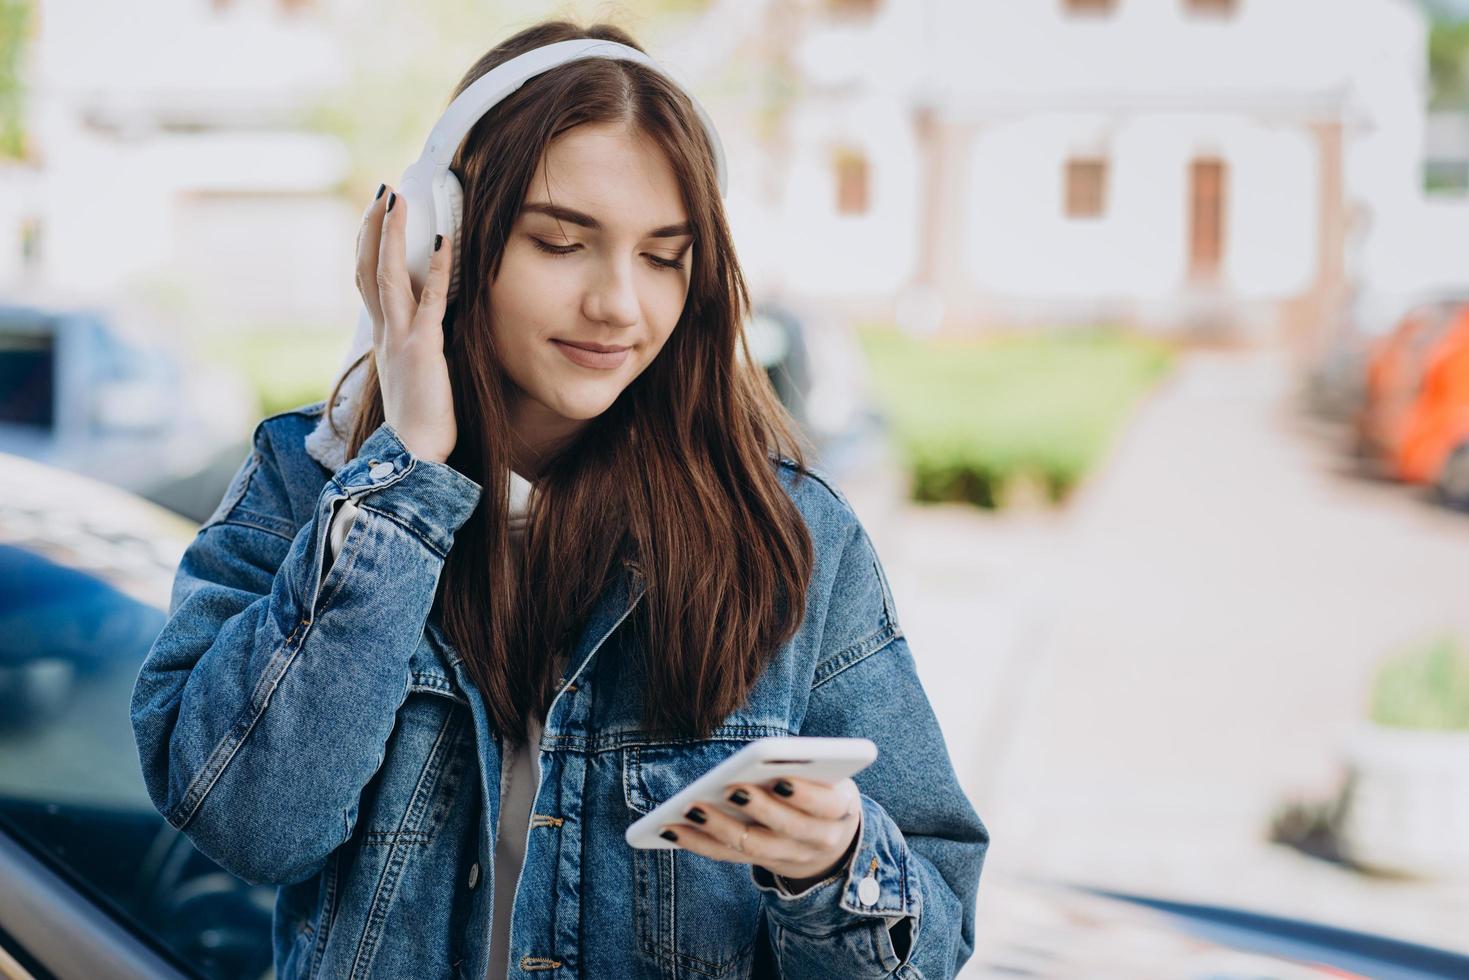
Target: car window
73, 633
28, 378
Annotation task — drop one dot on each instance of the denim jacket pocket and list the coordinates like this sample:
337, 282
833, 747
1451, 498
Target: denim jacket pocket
678, 894
427, 758
406, 832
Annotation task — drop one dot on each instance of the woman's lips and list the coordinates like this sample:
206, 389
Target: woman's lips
600, 360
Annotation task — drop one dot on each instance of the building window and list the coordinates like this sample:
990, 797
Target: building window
1448, 178
1211, 8
1089, 8
1086, 188
852, 179
1446, 154
1206, 217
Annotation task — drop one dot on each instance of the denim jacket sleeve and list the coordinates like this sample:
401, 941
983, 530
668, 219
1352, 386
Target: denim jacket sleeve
265, 704
920, 840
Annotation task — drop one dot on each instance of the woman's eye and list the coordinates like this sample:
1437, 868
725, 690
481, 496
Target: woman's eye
549, 249
554, 249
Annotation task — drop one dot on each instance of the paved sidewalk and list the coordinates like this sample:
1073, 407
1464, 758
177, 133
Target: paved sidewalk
1148, 675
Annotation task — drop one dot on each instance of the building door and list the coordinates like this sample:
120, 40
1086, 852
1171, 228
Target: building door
1206, 218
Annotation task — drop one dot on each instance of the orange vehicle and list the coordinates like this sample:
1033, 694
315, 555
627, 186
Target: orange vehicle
1395, 367
1438, 418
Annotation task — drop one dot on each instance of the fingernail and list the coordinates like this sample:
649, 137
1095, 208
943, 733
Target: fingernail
696, 815
391, 198
380, 189
438, 240
783, 788
668, 835
739, 797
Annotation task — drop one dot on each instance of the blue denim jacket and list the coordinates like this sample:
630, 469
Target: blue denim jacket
322, 734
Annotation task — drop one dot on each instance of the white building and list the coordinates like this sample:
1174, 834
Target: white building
176, 159
1243, 164
169, 157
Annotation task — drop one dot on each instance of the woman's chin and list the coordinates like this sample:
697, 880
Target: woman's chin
584, 405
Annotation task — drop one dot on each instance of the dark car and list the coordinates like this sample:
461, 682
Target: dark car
96, 883
820, 374
80, 389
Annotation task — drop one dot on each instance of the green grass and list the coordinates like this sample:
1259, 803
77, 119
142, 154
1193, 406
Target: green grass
285, 367
976, 419
1426, 687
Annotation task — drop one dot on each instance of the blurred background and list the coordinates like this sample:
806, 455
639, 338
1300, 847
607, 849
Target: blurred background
1137, 332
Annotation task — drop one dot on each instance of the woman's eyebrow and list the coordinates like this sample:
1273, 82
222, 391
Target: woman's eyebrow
587, 221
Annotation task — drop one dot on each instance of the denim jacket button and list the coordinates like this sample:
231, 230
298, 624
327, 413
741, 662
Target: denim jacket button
381, 471
474, 874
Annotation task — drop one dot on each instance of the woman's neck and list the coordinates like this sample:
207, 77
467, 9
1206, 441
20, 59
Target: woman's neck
535, 434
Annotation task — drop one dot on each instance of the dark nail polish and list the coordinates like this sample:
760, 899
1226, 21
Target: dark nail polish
668, 835
392, 198
439, 240
697, 815
783, 788
739, 797
380, 189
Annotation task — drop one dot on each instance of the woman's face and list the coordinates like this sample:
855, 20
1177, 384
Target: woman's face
599, 255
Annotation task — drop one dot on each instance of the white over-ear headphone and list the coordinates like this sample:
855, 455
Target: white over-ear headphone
431, 190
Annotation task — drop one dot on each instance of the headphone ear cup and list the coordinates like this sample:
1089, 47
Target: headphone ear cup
454, 197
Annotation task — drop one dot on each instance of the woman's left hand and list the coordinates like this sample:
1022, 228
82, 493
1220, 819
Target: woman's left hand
802, 830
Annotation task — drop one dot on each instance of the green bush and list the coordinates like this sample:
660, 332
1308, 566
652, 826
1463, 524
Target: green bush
285, 367
978, 419
1426, 687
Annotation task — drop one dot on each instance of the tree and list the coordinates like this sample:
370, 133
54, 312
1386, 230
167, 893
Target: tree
15, 29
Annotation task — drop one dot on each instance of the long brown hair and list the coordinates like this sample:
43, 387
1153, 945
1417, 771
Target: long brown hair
677, 478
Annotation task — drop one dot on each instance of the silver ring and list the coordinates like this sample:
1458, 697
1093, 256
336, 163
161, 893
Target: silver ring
740, 844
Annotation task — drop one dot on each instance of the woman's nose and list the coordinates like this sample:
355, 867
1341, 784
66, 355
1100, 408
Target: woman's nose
613, 297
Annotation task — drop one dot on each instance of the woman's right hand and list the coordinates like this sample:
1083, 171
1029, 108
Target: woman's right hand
407, 331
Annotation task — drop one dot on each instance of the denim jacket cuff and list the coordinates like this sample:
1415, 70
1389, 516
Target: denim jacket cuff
828, 906
431, 499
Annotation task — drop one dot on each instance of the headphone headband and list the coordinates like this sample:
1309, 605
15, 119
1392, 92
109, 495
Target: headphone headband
486, 91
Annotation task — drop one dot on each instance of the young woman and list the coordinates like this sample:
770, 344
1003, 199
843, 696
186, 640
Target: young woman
561, 555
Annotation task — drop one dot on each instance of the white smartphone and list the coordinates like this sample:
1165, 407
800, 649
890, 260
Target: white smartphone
822, 760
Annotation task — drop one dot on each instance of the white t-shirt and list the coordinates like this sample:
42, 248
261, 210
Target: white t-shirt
520, 777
